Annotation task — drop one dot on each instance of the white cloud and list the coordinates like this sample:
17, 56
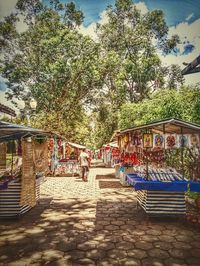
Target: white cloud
3, 99
189, 16
142, 7
188, 33
6, 7
90, 30
21, 26
104, 17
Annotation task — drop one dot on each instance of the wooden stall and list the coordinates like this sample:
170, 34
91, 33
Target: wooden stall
24, 161
110, 154
157, 154
68, 159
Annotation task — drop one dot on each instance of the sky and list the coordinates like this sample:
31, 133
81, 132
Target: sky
182, 17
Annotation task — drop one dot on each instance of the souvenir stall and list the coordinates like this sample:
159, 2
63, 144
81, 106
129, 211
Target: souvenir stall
129, 156
68, 155
23, 163
110, 154
160, 173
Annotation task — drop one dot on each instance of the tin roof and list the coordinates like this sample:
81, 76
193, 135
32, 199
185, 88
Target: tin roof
169, 125
9, 131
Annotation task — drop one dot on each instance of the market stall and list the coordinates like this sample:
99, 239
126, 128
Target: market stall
68, 155
164, 159
110, 154
23, 163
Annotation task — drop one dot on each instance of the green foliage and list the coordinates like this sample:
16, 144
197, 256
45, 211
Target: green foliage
133, 38
67, 72
7, 31
183, 104
193, 195
106, 123
55, 64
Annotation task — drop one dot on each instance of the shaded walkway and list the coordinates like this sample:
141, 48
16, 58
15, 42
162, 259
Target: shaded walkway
78, 223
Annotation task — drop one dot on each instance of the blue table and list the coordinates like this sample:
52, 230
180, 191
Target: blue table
159, 198
141, 184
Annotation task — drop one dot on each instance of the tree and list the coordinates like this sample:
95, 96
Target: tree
134, 38
53, 62
183, 104
174, 77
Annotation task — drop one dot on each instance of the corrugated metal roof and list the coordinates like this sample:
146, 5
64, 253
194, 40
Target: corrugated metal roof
9, 131
172, 125
7, 110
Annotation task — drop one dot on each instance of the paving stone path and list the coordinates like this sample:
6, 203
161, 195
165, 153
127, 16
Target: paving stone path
95, 223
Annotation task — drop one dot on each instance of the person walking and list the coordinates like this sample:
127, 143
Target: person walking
84, 163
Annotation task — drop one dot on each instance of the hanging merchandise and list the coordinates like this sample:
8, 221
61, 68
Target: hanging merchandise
122, 143
126, 138
136, 138
3, 149
115, 153
158, 141
69, 150
147, 140
170, 141
108, 148
19, 148
28, 190
40, 156
51, 144
119, 142
130, 147
194, 141
183, 141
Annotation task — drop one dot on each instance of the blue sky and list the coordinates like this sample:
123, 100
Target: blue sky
175, 11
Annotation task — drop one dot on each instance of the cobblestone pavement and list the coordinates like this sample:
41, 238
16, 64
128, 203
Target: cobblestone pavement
95, 223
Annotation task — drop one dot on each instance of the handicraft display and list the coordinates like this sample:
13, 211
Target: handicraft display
3, 148
194, 140
40, 156
28, 183
170, 141
147, 140
158, 140
183, 141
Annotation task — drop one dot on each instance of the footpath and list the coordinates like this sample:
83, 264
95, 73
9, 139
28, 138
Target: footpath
95, 223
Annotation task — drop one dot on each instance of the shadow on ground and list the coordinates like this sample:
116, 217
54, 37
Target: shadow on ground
110, 230
109, 176
109, 184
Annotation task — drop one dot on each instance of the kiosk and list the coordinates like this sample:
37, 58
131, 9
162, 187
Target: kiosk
161, 174
23, 164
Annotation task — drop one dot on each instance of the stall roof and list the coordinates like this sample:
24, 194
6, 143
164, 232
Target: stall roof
10, 131
111, 144
75, 145
170, 125
7, 110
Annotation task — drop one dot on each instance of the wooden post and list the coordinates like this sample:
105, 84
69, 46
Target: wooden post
182, 147
12, 147
164, 143
147, 165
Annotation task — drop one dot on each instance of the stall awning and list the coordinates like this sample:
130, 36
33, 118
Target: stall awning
75, 145
7, 110
9, 131
171, 125
111, 144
